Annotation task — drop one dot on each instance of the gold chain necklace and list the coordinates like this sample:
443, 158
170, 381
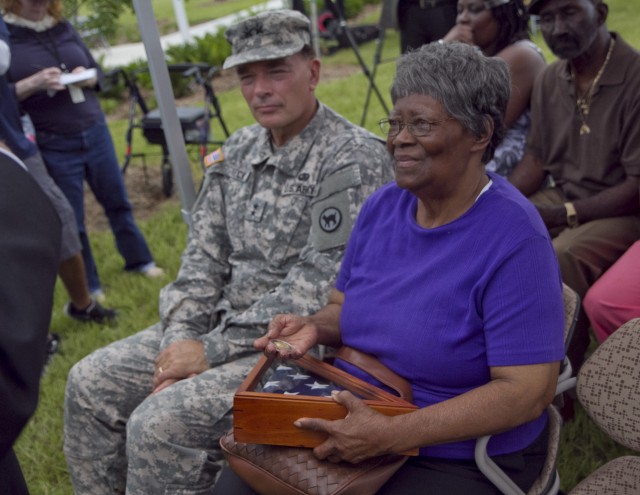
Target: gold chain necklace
584, 102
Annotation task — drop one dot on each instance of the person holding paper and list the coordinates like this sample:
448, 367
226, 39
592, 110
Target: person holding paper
71, 270
71, 130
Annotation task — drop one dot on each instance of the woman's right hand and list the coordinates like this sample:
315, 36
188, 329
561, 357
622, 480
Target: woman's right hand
44, 80
460, 32
297, 331
47, 79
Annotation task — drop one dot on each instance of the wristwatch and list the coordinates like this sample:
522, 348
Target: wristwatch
572, 216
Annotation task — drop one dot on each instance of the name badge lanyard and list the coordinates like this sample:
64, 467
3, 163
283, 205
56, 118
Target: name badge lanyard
52, 48
76, 94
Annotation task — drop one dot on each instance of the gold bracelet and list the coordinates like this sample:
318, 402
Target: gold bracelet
572, 215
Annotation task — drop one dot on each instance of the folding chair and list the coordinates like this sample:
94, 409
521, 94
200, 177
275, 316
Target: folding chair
607, 388
548, 482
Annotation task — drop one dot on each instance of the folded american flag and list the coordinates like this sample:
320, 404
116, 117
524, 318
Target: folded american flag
290, 379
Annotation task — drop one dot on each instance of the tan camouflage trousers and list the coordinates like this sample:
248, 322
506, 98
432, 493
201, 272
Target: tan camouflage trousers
118, 437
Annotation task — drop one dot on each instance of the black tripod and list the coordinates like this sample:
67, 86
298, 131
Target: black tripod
385, 23
341, 28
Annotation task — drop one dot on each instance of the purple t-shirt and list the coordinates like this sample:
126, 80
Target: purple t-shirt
440, 306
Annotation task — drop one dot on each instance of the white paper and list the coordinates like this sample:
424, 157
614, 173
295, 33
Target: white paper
68, 78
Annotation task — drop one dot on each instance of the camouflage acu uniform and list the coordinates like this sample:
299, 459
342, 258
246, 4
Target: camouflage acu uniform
269, 231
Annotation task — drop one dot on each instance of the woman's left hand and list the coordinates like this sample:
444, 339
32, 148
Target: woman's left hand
357, 437
89, 83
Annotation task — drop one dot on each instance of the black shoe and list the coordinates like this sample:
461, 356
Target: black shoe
53, 346
94, 312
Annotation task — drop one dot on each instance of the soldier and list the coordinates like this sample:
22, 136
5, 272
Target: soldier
268, 233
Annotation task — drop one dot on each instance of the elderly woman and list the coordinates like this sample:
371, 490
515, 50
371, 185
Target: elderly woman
450, 280
500, 28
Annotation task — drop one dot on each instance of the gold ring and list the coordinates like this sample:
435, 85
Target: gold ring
160, 369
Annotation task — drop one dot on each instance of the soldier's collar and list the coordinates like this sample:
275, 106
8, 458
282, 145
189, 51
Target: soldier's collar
291, 157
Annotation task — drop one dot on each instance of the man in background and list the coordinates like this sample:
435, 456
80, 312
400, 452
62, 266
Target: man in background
71, 269
422, 21
585, 141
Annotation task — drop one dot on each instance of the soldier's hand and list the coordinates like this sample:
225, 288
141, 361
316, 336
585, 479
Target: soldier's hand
180, 360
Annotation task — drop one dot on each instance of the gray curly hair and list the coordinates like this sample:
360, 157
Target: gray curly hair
471, 87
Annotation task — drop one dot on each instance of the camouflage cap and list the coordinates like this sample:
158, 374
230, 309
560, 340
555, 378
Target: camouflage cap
267, 36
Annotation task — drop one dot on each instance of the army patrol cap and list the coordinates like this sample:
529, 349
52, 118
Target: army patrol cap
267, 36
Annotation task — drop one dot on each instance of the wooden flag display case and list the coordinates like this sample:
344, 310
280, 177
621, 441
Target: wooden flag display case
276, 393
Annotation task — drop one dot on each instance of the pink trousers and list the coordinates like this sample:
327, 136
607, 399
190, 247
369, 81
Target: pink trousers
614, 299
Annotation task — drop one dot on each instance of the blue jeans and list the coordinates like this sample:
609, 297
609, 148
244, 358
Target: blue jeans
90, 155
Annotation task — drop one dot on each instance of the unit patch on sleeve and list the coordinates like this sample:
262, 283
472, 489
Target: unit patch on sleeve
330, 219
332, 214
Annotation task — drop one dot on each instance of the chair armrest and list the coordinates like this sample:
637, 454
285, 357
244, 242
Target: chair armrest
492, 471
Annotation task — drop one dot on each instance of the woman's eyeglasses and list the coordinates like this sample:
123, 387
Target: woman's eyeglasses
417, 128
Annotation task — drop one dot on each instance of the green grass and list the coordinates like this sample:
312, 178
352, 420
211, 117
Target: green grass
584, 447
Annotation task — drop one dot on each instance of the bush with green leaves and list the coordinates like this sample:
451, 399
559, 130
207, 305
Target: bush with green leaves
210, 49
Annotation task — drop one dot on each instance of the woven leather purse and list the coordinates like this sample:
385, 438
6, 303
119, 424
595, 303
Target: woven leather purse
277, 470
